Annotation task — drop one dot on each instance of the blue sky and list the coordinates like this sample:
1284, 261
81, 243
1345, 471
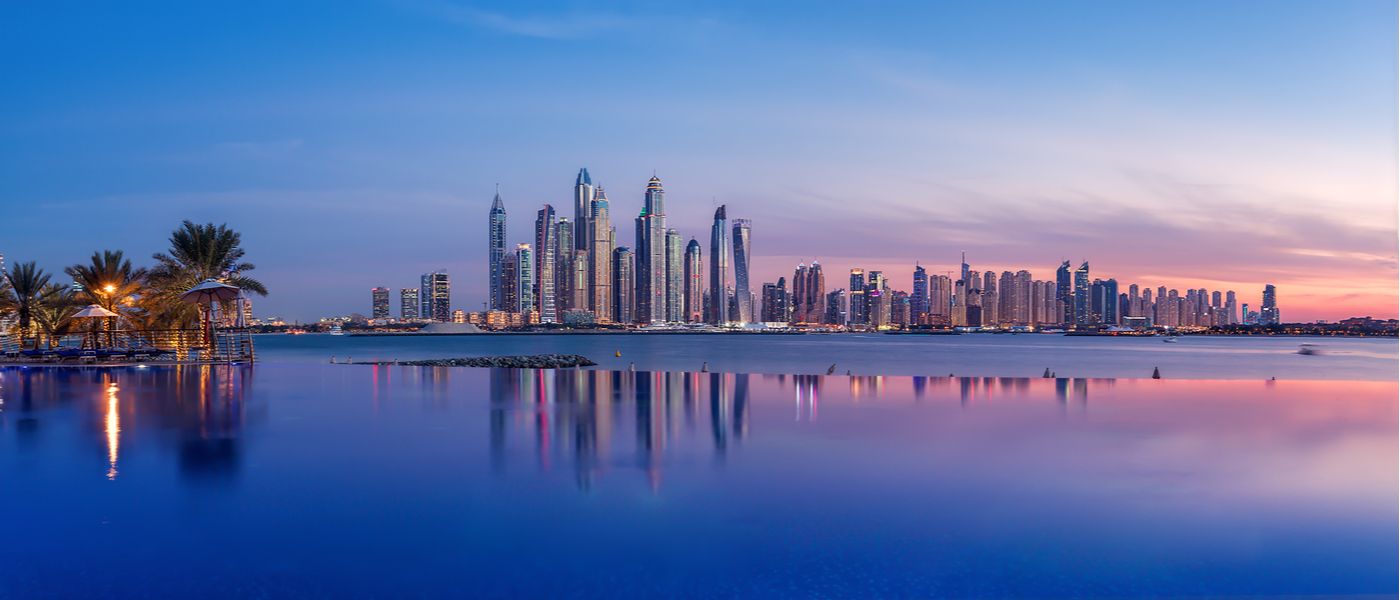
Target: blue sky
359, 144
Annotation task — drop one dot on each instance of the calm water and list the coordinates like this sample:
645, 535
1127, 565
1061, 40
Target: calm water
320, 481
978, 355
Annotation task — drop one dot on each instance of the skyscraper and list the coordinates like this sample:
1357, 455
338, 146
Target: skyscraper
719, 270
1268, 309
497, 249
675, 278
600, 258
814, 305
546, 240
1083, 313
622, 285
525, 280
918, 302
856, 311
510, 282
742, 292
1064, 295
435, 295
563, 266
380, 307
408, 303
799, 294
583, 211
694, 283
651, 255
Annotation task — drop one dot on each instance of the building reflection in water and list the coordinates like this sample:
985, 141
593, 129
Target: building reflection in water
205, 407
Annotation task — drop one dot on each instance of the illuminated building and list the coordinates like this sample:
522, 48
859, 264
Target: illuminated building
919, 301
623, 285
1064, 295
694, 283
1268, 309
742, 292
857, 311
719, 269
600, 258
546, 240
408, 303
497, 250
380, 307
583, 211
675, 278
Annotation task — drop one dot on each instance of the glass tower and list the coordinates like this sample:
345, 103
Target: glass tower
742, 292
719, 270
497, 250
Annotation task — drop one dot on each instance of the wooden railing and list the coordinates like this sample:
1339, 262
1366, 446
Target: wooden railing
227, 344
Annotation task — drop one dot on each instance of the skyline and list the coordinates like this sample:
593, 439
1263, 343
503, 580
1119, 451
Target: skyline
1147, 140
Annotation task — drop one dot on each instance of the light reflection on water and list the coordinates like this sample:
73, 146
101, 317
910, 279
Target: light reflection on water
354, 481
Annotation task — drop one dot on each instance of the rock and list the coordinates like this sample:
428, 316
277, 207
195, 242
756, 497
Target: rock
537, 361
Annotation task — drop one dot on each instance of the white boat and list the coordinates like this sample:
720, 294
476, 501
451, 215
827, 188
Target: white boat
1170, 339
335, 330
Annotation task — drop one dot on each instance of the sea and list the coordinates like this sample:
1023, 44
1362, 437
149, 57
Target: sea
283, 480
711, 467
969, 355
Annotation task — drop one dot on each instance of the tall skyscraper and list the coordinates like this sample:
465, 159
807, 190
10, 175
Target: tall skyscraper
510, 282
965, 270
546, 241
814, 304
380, 307
1064, 295
435, 295
583, 210
919, 300
408, 303
600, 258
742, 250
719, 269
694, 283
1268, 309
675, 278
651, 256
563, 266
623, 285
799, 294
1083, 313
497, 249
525, 280
857, 312
1232, 311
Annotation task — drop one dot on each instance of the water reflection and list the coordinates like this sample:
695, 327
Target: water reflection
201, 410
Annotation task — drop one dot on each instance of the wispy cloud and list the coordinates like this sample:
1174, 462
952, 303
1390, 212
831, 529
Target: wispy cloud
567, 26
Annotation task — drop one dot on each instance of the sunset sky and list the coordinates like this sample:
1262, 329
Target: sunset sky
1218, 145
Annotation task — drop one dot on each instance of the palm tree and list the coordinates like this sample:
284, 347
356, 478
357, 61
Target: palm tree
27, 282
197, 252
109, 282
55, 310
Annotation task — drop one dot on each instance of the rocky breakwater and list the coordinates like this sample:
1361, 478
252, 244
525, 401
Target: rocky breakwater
535, 361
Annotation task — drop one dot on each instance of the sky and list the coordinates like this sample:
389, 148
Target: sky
359, 144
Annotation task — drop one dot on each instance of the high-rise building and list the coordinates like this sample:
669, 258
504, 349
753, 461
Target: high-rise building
435, 296
719, 269
991, 299
941, 297
815, 301
857, 312
919, 301
799, 294
1231, 311
510, 282
497, 250
600, 258
525, 280
651, 256
408, 303
1083, 303
1268, 309
694, 283
1023, 309
675, 278
1064, 295
380, 308
546, 243
583, 211
578, 282
742, 253
835, 307
623, 285
563, 266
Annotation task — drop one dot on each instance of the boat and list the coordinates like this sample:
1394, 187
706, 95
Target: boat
335, 330
1169, 339
1308, 350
